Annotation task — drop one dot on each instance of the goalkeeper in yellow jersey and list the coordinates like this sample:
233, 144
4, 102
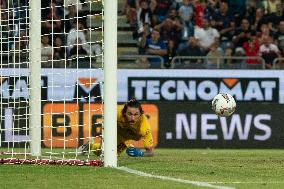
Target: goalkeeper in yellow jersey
132, 124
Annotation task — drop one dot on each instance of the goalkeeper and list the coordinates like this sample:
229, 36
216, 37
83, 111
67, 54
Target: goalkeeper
132, 124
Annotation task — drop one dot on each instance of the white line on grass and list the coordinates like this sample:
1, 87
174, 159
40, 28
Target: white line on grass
249, 182
205, 184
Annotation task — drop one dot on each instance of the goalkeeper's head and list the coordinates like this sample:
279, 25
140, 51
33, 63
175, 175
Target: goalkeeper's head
132, 110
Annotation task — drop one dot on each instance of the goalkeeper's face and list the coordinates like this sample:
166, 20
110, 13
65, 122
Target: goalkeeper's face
132, 115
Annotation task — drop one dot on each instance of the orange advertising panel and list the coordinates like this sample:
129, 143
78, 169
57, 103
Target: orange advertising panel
92, 122
61, 125
72, 124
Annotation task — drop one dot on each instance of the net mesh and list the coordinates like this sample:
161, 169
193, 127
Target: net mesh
71, 81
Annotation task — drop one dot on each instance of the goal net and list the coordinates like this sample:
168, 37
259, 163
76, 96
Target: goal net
52, 76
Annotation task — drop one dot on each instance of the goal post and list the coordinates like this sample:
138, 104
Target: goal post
110, 83
35, 77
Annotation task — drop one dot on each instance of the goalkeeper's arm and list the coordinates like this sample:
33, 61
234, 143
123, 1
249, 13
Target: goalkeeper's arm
148, 144
136, 152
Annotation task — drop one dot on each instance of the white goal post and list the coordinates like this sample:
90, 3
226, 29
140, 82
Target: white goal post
35, 77
110, 86
58, 83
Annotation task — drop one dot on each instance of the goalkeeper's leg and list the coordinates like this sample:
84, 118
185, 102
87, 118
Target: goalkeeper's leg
83, 148
96, 148
92, 145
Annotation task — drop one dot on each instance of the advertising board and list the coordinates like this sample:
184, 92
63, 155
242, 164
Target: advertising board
177, 103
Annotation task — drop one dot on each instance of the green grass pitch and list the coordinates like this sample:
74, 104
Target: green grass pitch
252, 169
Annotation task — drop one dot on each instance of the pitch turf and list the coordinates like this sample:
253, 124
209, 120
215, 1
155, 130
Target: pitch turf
234, 168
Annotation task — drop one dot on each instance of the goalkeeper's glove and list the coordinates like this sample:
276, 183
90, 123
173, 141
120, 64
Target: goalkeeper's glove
134, 152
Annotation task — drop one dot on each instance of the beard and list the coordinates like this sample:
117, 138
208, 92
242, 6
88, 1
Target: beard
132, 122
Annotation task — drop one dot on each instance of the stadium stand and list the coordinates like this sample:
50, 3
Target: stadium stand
237, 22
243, 26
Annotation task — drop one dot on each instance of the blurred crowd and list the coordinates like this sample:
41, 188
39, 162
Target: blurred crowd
166, 28
63, 29
208, 28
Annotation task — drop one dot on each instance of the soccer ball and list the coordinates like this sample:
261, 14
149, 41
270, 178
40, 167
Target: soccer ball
223, 104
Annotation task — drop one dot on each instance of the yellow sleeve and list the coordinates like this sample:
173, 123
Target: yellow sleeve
148, 139
145, 131
119, 114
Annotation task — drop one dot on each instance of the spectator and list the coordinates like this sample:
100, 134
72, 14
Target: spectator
270, 6
79, 56
258, 20
192, 50
19, 50
223, 21
228, 52
144, 15
143, 63
77, 32
259, 3
59, 52
154, 46
171, 53
161, 8
213, 55
242, 34
199, 8
251, 48
52, 20
237, 8
170, 30
173, 15
46, 51
209, 8
186, 13
77, 49
269, 52
264, 31
176, 4
70, 18
3, 4
16, 20
279, 36
276, 17
144, 33
251, 11
206, 36
67, 3
130, 7
24, 40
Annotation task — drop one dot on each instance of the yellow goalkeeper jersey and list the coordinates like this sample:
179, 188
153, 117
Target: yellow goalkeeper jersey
139, 131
